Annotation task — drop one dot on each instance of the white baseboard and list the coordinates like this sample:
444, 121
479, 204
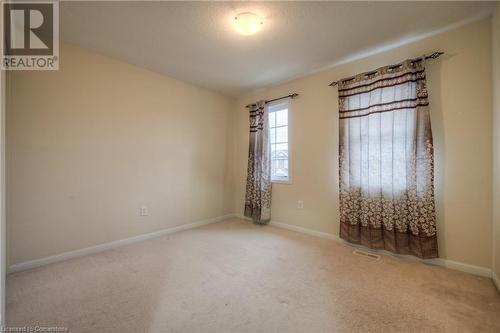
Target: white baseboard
111, 245
496, 281
455, 265
306, 231
459, 266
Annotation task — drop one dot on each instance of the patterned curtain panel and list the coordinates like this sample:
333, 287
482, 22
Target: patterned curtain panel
386, 161
258, 191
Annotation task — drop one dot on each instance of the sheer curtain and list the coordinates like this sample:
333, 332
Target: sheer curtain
386, 161
258, 189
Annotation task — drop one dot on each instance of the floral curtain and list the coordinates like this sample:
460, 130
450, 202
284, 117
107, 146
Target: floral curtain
258, 190
386, 161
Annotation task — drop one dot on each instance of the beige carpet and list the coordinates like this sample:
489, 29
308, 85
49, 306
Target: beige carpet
234, 276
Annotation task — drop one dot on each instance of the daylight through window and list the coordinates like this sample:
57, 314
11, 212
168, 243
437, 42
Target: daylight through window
278, 127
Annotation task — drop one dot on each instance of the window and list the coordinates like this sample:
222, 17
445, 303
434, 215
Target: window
278, 128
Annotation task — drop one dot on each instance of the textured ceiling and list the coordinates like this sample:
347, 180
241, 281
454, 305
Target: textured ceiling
194, 41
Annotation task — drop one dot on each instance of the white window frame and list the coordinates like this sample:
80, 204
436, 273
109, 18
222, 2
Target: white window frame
289, 107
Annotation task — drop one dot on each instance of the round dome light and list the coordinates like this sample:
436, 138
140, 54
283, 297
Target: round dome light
247, 23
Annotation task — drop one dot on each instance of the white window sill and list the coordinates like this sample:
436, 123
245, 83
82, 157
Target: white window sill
284, 181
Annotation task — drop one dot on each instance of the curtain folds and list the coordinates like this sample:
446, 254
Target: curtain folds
386, 161
258, 189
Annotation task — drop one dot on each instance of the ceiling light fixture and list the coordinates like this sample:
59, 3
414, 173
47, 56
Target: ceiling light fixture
247, 23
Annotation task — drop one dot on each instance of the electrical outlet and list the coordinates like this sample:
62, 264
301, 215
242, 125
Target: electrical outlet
300, 204
143, 211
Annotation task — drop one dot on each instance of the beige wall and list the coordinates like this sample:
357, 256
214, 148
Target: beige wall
461, 102
496, 143
89, 144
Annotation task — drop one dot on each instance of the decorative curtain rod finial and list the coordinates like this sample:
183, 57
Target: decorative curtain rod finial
435, 55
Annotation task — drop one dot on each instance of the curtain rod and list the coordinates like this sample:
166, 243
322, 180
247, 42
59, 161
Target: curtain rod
276, 99
435, 55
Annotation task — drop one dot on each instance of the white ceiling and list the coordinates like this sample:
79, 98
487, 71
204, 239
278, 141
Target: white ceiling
194, 41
